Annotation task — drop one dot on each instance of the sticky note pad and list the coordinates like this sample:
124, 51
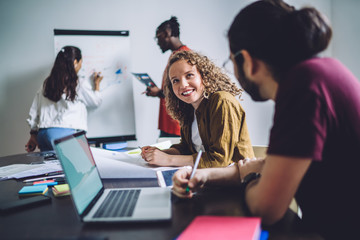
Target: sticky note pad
47, 183
61, 190
44, 181
33, 190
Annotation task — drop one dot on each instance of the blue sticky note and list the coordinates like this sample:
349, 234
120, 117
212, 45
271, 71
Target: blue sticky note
35, 189
47, 183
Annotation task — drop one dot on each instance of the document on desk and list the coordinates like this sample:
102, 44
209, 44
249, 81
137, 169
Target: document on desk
134, 159
18, 171
128, 164
7, 171
132, 156
112, 168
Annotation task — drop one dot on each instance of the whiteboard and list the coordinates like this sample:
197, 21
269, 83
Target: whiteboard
107, 52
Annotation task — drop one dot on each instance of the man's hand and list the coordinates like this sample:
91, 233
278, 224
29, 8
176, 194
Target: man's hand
181, 182
153, 91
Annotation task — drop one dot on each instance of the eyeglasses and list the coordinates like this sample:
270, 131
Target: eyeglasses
228, 65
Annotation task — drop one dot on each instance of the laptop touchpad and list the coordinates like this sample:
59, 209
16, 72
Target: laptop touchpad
154, 198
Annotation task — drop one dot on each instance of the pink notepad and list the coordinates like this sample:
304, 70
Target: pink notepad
221, 227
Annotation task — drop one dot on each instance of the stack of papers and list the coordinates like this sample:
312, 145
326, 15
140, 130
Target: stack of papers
18, 171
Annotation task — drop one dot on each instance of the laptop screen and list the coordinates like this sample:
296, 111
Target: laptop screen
79, 168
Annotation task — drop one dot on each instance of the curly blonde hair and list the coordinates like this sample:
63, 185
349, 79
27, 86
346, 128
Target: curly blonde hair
214, 80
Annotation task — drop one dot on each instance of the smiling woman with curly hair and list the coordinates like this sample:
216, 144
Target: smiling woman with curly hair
195, 86
213, 79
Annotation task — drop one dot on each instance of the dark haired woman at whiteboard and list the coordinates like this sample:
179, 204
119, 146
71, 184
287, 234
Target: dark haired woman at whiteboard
60, 106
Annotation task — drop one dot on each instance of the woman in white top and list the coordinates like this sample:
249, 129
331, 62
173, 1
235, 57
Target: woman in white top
60, 106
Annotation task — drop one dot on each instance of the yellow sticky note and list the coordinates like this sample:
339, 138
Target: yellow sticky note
62, 187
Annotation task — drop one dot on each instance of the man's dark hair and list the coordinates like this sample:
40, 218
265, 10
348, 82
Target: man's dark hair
171, 24
278, 34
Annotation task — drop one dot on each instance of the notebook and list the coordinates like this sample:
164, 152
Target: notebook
222, 227
94, 203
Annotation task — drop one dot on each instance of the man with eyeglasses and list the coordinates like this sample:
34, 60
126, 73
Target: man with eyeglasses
167, 37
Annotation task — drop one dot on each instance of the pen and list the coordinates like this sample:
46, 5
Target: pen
54, 173
43, 178
194, 168
52, 182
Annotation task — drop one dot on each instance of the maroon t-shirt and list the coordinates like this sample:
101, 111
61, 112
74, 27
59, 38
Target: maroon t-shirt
317, 115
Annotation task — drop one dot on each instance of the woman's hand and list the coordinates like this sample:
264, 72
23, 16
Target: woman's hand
31, 144
97, 79
155, 156
181, 182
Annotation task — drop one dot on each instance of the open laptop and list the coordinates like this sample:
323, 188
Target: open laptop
93, 202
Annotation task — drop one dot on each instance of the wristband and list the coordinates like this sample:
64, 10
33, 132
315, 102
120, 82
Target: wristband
249, 178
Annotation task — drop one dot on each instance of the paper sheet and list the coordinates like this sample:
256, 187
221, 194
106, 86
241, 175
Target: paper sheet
131, 157
28, 170
128, 164
9, 170
111, 168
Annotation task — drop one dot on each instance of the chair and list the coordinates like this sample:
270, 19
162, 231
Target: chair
260, 151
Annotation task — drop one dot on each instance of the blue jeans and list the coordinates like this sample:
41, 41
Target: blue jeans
46, 137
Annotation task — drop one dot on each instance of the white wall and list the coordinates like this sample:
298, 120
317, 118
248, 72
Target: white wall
346, 27
27, 52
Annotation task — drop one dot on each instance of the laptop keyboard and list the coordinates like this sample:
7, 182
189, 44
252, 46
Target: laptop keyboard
118, 203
